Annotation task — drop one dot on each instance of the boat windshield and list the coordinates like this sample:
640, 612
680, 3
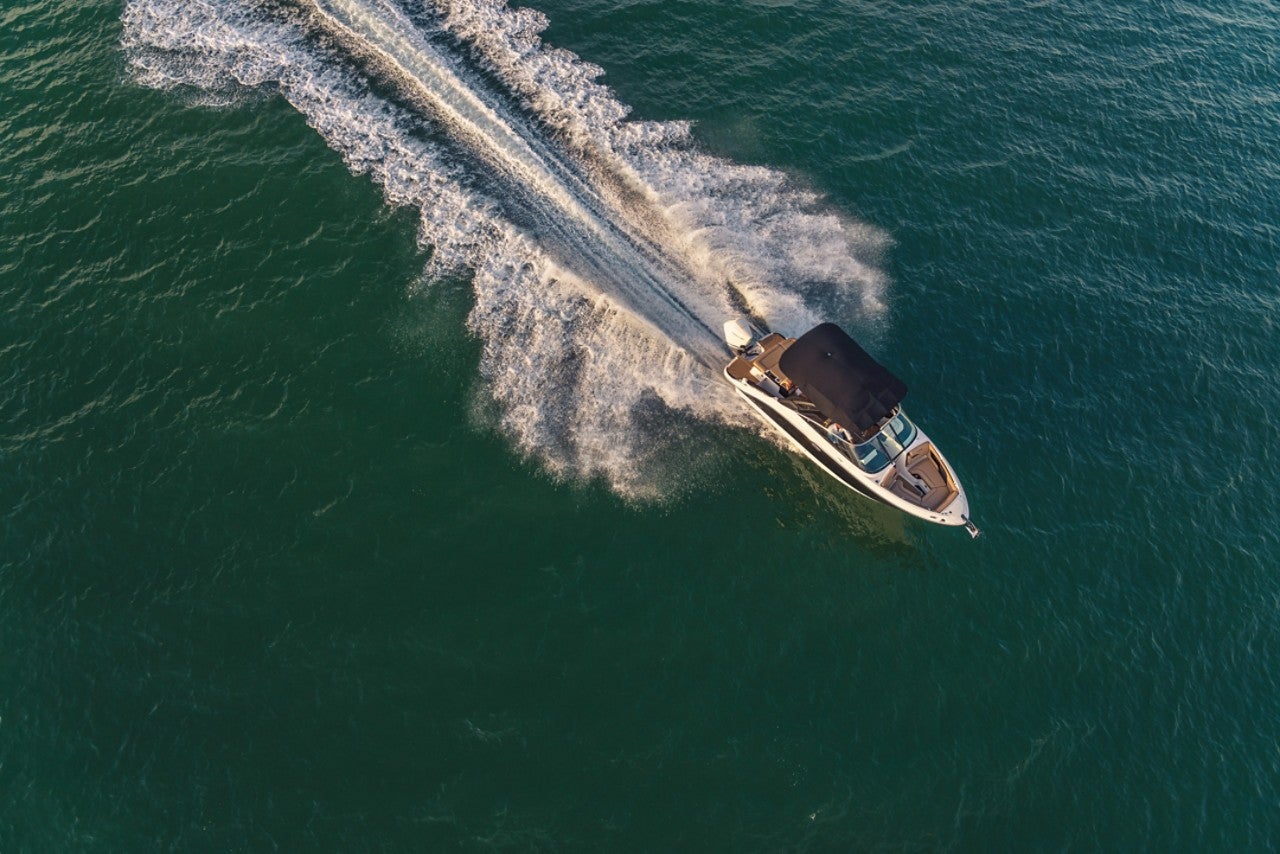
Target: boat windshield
870, 456
877, 452
900, 428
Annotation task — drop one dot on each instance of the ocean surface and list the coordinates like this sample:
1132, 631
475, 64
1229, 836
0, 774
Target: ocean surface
367, 482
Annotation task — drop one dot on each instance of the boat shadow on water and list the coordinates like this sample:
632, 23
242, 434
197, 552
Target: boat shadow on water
808, 500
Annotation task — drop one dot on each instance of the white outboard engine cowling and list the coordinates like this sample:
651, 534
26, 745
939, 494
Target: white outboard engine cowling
739, 335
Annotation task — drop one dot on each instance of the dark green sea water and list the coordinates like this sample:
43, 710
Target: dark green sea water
281, 569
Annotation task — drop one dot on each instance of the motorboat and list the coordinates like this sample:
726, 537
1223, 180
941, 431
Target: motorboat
843, 410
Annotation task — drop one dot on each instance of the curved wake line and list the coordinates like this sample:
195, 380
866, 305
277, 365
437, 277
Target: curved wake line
604, 253
617, 263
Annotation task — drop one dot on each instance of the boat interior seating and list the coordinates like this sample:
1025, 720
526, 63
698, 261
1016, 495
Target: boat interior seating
772, 340
922, 463
764, 366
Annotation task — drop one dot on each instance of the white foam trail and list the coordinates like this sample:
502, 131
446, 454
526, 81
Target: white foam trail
603, 252
595, 245
784, 251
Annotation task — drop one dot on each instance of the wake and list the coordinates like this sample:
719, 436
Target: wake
604, 253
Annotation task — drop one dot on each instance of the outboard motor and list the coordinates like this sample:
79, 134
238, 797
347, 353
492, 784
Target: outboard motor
739, 335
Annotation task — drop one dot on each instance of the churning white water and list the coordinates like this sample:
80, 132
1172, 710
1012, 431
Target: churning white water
604, 253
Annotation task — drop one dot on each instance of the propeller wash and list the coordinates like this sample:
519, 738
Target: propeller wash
604, 253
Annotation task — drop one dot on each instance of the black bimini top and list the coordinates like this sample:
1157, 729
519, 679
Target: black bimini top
841, 378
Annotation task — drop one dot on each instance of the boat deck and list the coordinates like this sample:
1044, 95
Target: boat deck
924, 464
772, 346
